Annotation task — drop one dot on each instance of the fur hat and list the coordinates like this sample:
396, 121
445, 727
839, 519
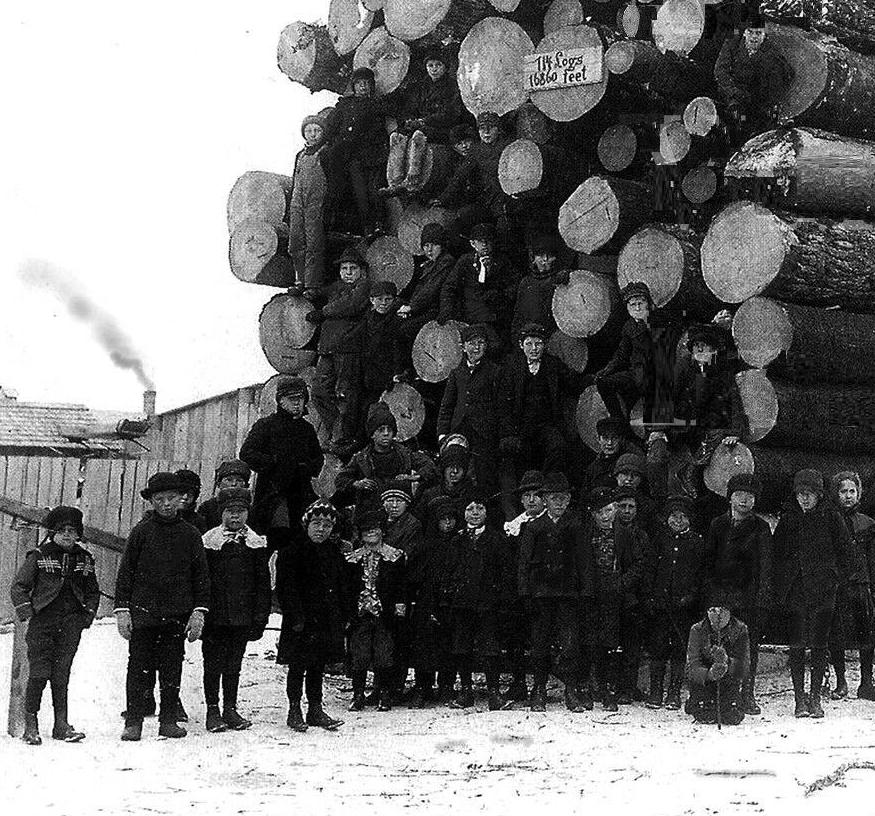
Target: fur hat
233, 467
482, 232
707, 333
610, 426
378, 416
160, 482
351, 255
363, 73
636, 289
630, 463
398, 489
234, 497
748, 482
320, 507
461, 133
191, 482
435, 52
532, 329
678, 501
599, 497
808, 479
312, 120
57, 517
433, 234
532, 480
846, 476
555, 482
292, 387
371, 520
378, 288
473, 331
488, 119
544, 245
454, 455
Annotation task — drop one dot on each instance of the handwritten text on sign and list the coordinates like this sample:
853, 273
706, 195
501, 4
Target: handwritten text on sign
563, 68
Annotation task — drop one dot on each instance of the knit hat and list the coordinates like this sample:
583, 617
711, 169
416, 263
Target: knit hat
678, 501
482, 232
454, 455
57, 517
233, 467
364, 73
532, 329
706, 333
292, 387
600, 497
234, 497
350, 255
636, 289
488, 119
378, 416
475, 494
433, 234
630, 463
378, 288
532, 480
556, 482
320, 507
461, 133
808, 479
443, 506
610, 426
191, 482
160, 482
473, 331
846, 476
748, 482
371, 520
398, 489
625, 492
312, 120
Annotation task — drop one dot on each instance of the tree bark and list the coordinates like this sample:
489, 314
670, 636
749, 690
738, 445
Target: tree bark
521, 167
617, 148
260, 195
257, 252
679, 26
305, 54
279, 350
806, 170
490, 74
602, 208
762, 330
563, 13
387, 56
751, 251
833, 87
851, 22
388, 260
584, 306
348, 24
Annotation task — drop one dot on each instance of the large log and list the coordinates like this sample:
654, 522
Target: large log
406, 405
567, 104
725, 463
602, 208
412, 19
699, 184
590, 409
257, 252
521, 167
759, 402
348, 24
280, 351
389, 260
617, 147
261, 195
305, 54
573, 351
437, 350
490, 74
679, 26
851, 22
700, 116
584, 306
807, 170
833, 87
674, 142
762, 330
562, 13
824, 417
387, 56
750, 250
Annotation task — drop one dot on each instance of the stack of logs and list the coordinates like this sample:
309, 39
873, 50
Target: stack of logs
778, 230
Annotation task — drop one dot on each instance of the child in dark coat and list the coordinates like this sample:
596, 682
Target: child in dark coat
310, 587
162, 594
56, 590
240, 599
231, 473
534, 297
453, 466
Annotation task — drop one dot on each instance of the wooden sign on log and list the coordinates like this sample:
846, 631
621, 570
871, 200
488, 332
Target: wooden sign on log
388, 260
281, 354
759, 401
257, 252
583, 307
761, 329
520, 167
437, 350
406, 405
725, 463
573, 351
562, 68
387, 56
261, 195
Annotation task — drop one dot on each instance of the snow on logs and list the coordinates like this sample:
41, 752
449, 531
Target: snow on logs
305, 54
261, 195
851, 22
387, 56
806, 170
584, 305
257, 253
749, 250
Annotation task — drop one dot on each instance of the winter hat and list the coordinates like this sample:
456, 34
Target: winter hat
442, 507
532, 329
398, 489
808, 479
378, 288
482, 232
680, 502
625, 492
292, 387
433, 234
636, 289
610, 426
630, 463
350, 255
233, 467
364, 73
747, 482
477, 494
312, 120
453, 439
454, 455
543, 245
488, 119
461, 133
191, 482
234, 497
378, 416
473, 331
600, 497
57, 517
160, 482
555, 482
706, 333
371, 520
435, 52
754, 17
320, 507
719, 597
532, 480
846, 476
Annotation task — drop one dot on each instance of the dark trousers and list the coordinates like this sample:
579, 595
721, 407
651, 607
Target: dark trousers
543, 448
152, 648
606, 667
371, 646
630, 643
555, 624
223, 648
300, 678
622, 385
51, 647
750, 617
669, 633
336, 394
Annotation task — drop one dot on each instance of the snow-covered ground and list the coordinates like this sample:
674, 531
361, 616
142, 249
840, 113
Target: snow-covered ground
436, 760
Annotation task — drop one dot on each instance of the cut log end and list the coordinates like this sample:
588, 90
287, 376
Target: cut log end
679, 26
257, 254
348, 24
387, 56
762, 330
521, 167
411, 20
388, 260
725, 463
699, 184
674, 142
655, 257
700, 116
620, 57
437, 350
562, 13
759, 400
573, 351
590, 409
259, 195
583, 307
617, 148
406, 405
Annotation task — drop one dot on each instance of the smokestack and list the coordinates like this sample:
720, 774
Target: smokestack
149, 404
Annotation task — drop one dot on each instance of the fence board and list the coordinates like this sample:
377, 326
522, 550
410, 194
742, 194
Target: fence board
70, 487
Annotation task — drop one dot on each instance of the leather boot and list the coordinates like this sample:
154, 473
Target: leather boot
584, 694
31, 730
317, 717
295, 719
171, 730
657, 675
63, 730
609, 699
133, 730
797, 675
749, 704
465, 698
572, 702
215, 724
818, 667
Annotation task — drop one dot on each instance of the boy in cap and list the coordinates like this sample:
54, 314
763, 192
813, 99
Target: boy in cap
534, 296
453, 464
161, 596
375, 575
630, 470
191, 489
810, 561
738, 565
240, 600
284, 451
307, 210
674, 599
310, 587
553, 576
717, 663
852, 626
613, 442
338, 368
56, 590
230, 473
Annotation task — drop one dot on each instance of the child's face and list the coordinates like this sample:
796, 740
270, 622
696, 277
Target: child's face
475, 514
394, 507
754, 38
638, 307
463, 148
432, 251
474, 349
627, 509
702, 352
446, 524
609, 444
233, 480
807, 500
362, 87
604, 516
382, 437
66, 537
488, 134
187, 500
533, 503
382, 303
234, 517
319, 529
557, 503
166, 503
544, 262
453, 474
350, 272
849, 495
628, 479
372, 537
742, 502
533, 348
435, 69
293, 405
481, 247
718, 617
313, 134
678, 521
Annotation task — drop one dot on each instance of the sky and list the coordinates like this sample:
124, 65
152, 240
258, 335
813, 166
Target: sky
125, 126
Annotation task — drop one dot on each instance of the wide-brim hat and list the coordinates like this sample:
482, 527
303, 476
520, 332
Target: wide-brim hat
57, 517
191, 481
600, 497
161, 482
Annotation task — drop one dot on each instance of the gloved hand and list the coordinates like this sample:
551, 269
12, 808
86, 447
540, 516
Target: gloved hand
195, 626
510, 446
315, 317
717, 672
256, 631
124, 624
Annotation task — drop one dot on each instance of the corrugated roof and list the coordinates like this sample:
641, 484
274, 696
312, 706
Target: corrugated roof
33, 425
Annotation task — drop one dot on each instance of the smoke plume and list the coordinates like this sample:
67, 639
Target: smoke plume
110, 335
